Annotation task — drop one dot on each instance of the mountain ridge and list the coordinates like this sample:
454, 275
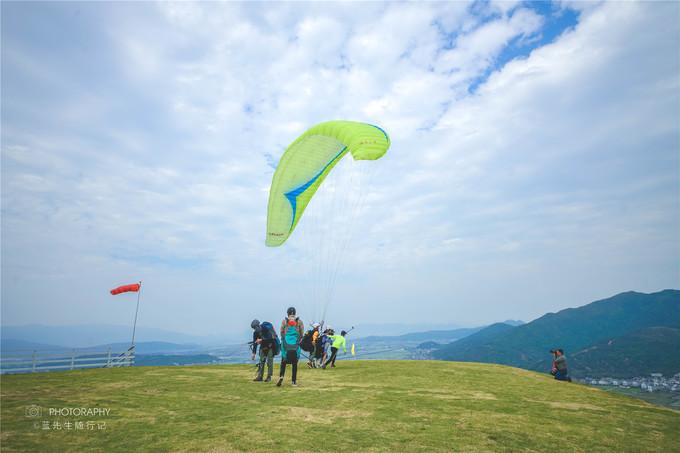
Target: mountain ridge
572, 329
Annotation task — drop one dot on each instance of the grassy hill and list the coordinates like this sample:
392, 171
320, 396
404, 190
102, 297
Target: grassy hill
376, 405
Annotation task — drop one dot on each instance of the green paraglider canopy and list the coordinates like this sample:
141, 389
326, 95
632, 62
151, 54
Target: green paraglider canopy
306, 163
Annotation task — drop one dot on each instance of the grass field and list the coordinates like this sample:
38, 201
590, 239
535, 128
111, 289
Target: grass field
360, 405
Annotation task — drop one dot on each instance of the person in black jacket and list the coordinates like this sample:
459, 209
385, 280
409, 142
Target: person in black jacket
264, 336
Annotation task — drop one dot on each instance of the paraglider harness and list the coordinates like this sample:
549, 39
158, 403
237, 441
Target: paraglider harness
290, 341
269, 338
307, 343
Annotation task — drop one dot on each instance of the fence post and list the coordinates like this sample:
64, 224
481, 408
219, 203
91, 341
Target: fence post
73, 358
33, 361
108, 360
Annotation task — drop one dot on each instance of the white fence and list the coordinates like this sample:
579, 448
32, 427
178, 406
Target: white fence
37, 361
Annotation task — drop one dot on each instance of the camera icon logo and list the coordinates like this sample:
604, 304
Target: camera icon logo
33, 411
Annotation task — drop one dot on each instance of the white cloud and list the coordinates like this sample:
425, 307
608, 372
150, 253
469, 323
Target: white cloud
559, 164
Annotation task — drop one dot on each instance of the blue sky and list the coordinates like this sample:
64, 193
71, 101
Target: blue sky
534, 160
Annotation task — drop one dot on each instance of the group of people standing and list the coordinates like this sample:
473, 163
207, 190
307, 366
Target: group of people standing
290, 342
322, 348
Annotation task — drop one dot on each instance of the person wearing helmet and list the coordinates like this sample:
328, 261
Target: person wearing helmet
338, 342
264, 335
291, 315
255, 325
292, 330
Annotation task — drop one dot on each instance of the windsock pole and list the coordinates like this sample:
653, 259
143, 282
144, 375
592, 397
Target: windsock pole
134, 326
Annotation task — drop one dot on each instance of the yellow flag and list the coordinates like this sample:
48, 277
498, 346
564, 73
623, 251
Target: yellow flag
353, 351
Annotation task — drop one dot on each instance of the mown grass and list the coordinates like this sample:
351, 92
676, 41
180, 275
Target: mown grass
360, 405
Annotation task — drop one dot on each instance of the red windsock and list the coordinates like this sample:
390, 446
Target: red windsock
126, 288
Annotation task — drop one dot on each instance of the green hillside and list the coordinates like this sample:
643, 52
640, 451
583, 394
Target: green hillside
376, 405
650, 350
573, 329
470, 348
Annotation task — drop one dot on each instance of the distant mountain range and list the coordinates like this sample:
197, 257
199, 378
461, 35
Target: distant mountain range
437, 335
417, 337
470, 345
626, 335
11, 346
82, 336
395, 329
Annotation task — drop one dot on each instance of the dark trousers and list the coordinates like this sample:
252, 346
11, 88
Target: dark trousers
331, 359
562, 375
266, 357
292, 358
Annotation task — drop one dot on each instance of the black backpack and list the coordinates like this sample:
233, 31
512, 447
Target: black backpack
269, 337
307, 344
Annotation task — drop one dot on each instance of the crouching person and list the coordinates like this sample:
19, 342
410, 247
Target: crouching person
559, 366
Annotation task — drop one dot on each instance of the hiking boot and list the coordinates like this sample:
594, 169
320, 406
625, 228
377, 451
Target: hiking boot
269, 379
258, 379
294, 384
309, 364
279, 382
332, 365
